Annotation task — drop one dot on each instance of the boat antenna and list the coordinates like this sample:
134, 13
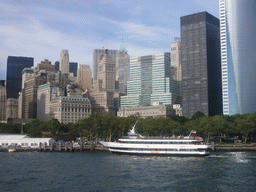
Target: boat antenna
133, 128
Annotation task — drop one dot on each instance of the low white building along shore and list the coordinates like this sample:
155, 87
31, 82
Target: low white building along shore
18, 140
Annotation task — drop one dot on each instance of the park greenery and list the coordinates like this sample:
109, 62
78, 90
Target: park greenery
216, 128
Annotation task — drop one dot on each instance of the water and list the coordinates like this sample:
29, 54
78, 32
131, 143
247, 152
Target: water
103, 171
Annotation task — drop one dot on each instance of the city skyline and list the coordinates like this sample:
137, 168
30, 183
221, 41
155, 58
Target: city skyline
42, 29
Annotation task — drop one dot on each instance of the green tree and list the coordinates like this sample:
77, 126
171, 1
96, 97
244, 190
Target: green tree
219, 125
206, 127
109, 125
181, 119
34, 129
245, 125
173, 127
197, 115
53, 126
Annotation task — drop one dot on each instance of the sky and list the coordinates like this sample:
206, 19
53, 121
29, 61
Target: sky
41, 29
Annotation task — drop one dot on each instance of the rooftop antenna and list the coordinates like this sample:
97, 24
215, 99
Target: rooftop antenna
176, 39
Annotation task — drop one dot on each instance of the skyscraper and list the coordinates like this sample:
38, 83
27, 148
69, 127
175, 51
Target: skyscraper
122, 69
238, 55
29, 94
45, 65
57, 66
64, 61
150, 81
201, 67
104, 94
2, 100
84, 77
15, 65
73, 68
97, 55
176, 59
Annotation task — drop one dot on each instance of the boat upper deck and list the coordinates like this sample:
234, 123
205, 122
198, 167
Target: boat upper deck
176, 138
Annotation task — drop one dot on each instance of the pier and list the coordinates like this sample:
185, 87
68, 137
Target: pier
57, 148
243, 147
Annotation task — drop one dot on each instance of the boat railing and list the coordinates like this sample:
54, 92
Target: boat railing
164, 137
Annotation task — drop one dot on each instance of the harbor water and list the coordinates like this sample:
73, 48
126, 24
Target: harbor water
103, 171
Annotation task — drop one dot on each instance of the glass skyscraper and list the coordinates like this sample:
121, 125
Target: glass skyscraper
201, 64
15, 65
150, 81
238, 55
73, 68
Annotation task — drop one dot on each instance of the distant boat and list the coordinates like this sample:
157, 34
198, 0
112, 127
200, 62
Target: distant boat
76, 145
11, 150
135, 144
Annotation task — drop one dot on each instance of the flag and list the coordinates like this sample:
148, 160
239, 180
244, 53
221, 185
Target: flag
194, 132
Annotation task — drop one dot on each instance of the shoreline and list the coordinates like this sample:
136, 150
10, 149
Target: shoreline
248, 147
244, 147
57, 149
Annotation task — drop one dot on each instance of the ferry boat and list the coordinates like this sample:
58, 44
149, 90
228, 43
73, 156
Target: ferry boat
135, 144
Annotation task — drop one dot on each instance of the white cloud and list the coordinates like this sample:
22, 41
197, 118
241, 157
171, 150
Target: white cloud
35, 40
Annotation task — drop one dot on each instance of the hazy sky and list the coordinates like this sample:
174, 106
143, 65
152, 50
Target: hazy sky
41, 29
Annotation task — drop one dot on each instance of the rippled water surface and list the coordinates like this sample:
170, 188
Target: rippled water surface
103, 171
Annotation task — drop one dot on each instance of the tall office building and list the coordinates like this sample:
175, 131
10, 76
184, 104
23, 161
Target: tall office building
45, 93
238, 55
57, 66
84, 77
64, 61
97, 55
26, 74
201, 64
2, 100
29, 94
58, 79
104, 95
11, 108
73, 68
150, 81
122, 69
46, 65
176, 59
15, 65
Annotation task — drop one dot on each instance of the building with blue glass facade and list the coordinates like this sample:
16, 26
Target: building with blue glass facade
15, 65
150, 81
238, 55
73, 68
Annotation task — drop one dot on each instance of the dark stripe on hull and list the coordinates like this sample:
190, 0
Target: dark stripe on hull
160, 155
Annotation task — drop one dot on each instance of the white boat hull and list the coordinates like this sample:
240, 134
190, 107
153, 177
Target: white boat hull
158, 150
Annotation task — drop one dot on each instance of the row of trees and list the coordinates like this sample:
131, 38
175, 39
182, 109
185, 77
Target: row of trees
109, 126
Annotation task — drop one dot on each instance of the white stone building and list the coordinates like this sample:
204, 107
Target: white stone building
69, 109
